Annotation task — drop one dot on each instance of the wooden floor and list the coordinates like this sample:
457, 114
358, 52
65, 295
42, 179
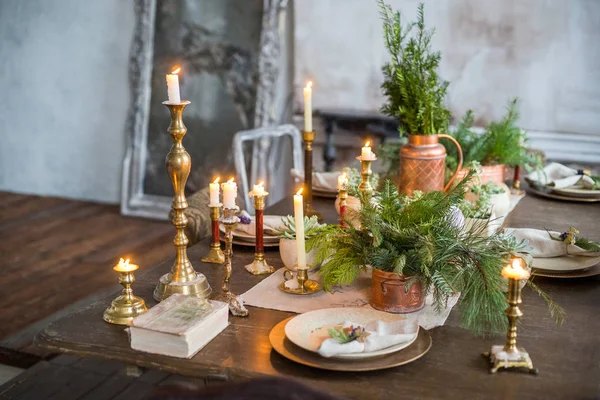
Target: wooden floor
54, 252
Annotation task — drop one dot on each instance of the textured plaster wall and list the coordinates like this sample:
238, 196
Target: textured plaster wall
545, 52
64, 96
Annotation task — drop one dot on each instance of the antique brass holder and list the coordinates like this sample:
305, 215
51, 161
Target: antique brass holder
236, 305
215, 254
305, 285
308, 138
182, 279
126, 307
259, 266
510, 356
366, 173
343, 194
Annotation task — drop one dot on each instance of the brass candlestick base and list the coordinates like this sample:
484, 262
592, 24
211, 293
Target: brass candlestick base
509, 355
259, 266
308, 138
305, 285
343, 194
215, 254
236, 305
366, 173
127, 306
182, 279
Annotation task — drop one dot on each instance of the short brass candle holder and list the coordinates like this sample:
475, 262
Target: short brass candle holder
343, 194
182, 279
305, 285
509, 355
366, 173
259, 266
215, 254
126, 307
236, 305
308, 138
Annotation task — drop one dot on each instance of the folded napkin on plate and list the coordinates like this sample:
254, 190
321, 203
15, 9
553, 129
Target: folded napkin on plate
381, 335
321, 180
271, 224
545, 247
559, 176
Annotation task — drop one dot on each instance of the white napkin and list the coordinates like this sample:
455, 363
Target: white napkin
544, 247
381, 335
561, 177
321, 180
271, 224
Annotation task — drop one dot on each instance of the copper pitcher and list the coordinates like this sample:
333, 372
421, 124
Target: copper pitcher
423, 163
394, 293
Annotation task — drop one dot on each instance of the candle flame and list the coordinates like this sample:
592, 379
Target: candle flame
230, 180
217, 179
261, 184
299, 192
123, 263
516, 264
309, 85
368, 144
175, 71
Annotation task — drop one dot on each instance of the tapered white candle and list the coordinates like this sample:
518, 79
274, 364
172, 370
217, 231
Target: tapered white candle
215, 191
308, 107
515, 271
173, 87
366, 153
258, 190
299, 219
342, 181
229, 193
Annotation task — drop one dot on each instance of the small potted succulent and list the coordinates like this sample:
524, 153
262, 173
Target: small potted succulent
287, 241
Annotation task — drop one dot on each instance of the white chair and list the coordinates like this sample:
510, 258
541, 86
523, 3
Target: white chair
263, 154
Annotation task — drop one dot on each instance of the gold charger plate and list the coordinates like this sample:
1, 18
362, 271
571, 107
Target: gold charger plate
593, 271
548, 193
282, 345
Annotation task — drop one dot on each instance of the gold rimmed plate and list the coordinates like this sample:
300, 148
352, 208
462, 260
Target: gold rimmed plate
585, 273
282, 345
550, 194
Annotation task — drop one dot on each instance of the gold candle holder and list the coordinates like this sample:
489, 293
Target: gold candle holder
509, 355
259, 266
305, 285
215, 254
236, 305
366, 173
183, 278
125, 307
308, 138
343, 193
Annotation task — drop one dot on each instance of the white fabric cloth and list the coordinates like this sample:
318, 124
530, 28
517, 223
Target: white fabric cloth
271, 224
266, 294
326, 181
544, 247
381, 335
561, 177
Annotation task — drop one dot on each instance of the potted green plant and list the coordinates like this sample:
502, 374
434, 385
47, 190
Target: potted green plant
287, 241
417, 245
415, 98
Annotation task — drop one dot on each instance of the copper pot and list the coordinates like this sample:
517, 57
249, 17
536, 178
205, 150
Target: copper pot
390, 292
423, 163
489, 173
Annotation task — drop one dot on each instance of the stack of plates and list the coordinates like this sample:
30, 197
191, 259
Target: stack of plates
567, 266
299, 338
326, 193
574, 193
243, 239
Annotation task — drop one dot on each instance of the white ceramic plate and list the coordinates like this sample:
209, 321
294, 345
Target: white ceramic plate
250, 238
308, 330
577, 192
566, 263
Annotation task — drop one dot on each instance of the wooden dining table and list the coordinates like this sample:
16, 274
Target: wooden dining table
568, 357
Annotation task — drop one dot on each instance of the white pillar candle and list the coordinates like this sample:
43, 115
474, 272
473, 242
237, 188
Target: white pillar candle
515, 271
299, 219
308, 107
173, 87
366, 153
215, 191
229, 193
342, 181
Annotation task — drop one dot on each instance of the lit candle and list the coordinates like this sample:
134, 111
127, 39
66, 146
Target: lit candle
308, 107
258, 190
366, 153
299, 219
515, 271
342, 181
125, 266
215, 191
229, 193
173, 87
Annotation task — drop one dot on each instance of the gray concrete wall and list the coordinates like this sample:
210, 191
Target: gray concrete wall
64, 96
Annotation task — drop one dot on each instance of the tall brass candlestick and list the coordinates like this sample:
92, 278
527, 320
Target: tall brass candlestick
183, 278
343, 193
236, 305
308, 138
366, 173
215, 254
259, 266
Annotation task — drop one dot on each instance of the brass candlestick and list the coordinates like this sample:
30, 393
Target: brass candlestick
236, 305
183, 278
509, 355
126, 307
305, 285
308, 138
366, 173
343, 193
215, 254
259, 266
516, 185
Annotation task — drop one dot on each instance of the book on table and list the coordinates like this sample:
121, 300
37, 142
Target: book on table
180, 326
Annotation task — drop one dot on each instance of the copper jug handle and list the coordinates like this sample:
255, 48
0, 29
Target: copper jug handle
460, 159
